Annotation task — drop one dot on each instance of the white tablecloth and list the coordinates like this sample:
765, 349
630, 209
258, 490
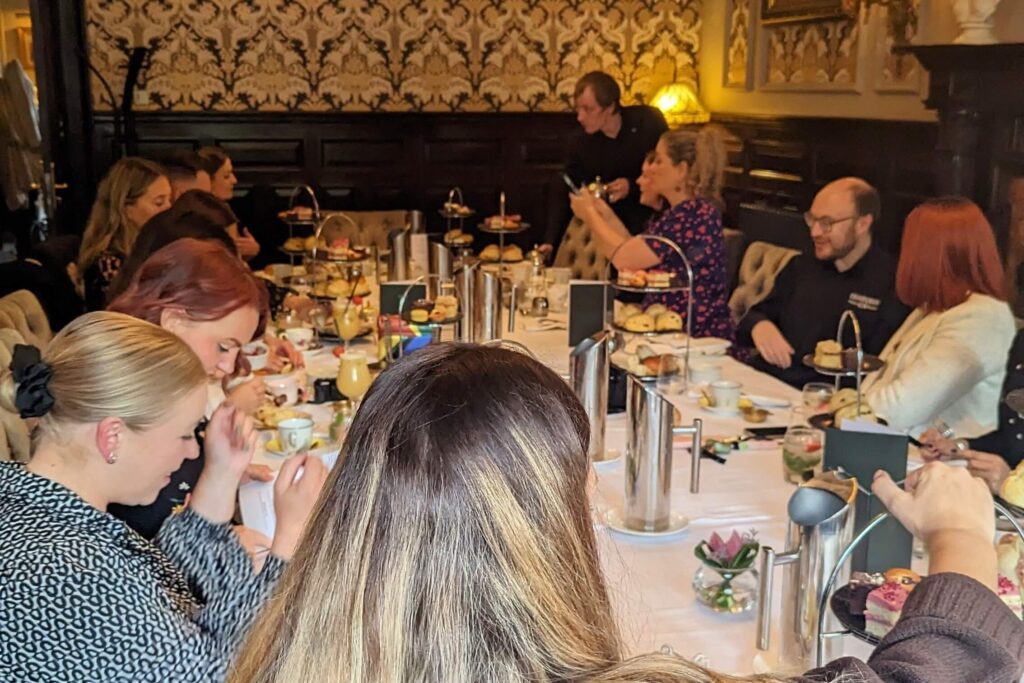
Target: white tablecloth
650, 579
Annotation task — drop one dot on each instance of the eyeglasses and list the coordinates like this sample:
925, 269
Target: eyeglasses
825, 222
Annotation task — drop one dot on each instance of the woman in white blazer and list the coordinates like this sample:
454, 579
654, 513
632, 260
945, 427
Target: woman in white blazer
947, 361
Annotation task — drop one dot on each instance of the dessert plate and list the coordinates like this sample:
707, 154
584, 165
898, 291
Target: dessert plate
616, 521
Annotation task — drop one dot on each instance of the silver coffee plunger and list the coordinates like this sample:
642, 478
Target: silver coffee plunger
588, 370
649, 457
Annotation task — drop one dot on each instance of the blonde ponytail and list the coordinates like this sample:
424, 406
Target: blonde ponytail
705, 154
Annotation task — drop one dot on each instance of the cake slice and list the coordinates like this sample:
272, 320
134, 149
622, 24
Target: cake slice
1009, 594
884, 606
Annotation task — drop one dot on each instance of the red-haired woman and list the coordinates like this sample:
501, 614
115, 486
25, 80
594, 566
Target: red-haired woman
211, 300
947, 360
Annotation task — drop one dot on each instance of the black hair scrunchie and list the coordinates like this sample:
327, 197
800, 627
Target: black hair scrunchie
32, 374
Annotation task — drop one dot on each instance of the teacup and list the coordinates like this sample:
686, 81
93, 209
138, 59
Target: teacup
295, 434
725, 393
704, 372
300, 337
257, 354
285, 385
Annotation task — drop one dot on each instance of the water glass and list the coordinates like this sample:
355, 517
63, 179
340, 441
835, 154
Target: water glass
802, 451
817, 396
671, 375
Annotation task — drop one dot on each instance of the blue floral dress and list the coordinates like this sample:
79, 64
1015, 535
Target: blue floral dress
696, 226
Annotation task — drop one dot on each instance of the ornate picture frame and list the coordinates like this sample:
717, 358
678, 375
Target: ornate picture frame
794, 11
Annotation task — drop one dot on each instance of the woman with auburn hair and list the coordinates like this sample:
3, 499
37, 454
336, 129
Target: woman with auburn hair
211, 300
84, 598
133, 191
947, 360
454, 542
683, 180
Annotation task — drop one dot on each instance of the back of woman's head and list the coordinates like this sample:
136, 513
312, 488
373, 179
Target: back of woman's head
705, 156
948, 252
108, 226
111, 365
202, 279
196, 214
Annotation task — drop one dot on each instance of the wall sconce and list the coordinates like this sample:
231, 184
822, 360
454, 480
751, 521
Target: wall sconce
680, 105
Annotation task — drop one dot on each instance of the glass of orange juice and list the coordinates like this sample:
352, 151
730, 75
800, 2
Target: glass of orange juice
347, 315
353, 376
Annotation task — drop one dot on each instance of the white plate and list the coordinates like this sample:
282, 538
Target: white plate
612, 457
616, 522
768, 401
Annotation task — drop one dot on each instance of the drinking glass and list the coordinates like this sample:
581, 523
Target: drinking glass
798, 417
802, 450
348, 320
671, 375
817, 396
353, 377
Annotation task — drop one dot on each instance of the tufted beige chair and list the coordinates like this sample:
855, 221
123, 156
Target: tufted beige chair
14, 434
21, 311
762, 262
579, 252
371, 227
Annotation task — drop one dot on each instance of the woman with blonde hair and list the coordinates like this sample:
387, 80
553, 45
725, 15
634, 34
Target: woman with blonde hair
454, 542
83, 597
133, 191
683, 179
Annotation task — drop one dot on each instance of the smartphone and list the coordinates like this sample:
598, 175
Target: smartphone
765, 432
570, 183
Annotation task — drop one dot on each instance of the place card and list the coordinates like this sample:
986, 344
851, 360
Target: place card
588, 303
861, 454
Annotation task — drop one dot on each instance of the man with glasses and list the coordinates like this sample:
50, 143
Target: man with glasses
810, 294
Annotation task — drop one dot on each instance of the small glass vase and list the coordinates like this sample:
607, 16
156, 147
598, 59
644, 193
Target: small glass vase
730, 591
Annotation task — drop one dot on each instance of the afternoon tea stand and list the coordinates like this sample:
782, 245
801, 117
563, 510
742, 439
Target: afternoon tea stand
501, 232
436, 327
673, 287
864, 363
830, 585
292, 220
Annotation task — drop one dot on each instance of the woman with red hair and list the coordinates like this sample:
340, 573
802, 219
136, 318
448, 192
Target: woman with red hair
947, 360
211, 300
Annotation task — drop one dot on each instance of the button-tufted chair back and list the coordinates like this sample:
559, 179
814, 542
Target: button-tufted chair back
578, 251
762, 262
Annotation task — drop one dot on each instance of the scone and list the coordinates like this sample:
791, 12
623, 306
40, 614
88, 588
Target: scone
669, 321
654, 310
490, 253
513, 253
639, 323
1012, 490
627, 311
828, 354
294, 244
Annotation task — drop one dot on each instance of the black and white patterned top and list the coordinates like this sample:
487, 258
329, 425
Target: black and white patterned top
85, 598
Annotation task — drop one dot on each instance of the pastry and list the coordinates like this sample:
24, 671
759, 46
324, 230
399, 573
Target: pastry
490, 253
419, 315
905, 577
271, 415
1009, 593
658, 278
438, 313
457, 237
633, 278
294, 244
449, 303
1012, 490
309, 243
639, 323
507, 222
627, 311
828, 354
670, 321
884, 606
654, 310
513, 253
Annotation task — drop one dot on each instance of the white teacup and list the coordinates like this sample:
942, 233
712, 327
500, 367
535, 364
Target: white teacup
295, 434
726, 393
300, 337
704, 372
257, 353
285, 385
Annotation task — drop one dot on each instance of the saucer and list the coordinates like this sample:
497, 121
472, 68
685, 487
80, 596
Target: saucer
612, 457
615, 520
274, 447
768, 401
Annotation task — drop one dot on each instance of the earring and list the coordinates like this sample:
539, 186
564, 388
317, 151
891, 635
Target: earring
112, 457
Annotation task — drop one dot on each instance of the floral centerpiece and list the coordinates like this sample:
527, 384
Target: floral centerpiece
729, 559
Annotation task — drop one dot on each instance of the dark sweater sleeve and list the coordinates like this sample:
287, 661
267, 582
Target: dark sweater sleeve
952, 630
772, 306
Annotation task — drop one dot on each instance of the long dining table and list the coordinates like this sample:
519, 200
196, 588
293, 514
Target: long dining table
650, 579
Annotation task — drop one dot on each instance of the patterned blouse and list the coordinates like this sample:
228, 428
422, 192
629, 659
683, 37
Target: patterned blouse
98, 278
696, 226
85, 598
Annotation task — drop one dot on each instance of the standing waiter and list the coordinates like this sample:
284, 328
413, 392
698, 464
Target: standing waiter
612, 146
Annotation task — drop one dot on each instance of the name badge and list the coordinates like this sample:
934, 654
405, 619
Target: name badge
865, 303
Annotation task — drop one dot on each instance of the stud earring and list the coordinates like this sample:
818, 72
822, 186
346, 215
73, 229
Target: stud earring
111, 458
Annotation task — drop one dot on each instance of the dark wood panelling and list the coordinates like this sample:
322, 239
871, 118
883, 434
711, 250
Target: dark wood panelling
386, 161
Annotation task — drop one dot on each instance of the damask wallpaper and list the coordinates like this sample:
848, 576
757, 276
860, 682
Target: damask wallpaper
390, 55
819, 54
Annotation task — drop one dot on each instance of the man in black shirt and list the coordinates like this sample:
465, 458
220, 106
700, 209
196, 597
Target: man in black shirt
811, 293
612, 145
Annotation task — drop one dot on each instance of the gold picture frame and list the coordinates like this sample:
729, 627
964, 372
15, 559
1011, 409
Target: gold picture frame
795, 11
